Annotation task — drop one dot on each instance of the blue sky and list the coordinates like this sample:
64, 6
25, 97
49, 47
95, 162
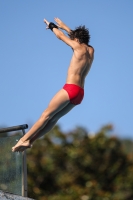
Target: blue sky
33, 62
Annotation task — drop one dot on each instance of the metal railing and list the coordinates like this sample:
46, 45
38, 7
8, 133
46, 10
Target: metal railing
24, 164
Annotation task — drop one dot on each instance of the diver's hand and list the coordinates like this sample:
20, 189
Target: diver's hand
47, 23
60, 24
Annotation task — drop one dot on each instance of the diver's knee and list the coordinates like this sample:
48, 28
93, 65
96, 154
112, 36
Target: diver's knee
45, 116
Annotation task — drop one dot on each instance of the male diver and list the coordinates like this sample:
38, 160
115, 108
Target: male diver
72, 92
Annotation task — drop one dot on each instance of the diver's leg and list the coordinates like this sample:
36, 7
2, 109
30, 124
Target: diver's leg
51, 123
59, 101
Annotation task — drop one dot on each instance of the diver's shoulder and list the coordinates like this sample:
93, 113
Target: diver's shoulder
91, 48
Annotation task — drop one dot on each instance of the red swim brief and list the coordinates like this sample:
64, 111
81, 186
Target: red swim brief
75, 93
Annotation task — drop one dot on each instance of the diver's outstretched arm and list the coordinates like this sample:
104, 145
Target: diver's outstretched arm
62, 25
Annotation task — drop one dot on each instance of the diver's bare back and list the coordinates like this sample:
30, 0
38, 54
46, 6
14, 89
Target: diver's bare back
80, 65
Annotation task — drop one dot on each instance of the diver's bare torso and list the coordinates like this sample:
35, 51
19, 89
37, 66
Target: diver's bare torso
80, 65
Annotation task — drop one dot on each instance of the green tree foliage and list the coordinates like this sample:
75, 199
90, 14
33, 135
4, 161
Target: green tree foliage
79, 166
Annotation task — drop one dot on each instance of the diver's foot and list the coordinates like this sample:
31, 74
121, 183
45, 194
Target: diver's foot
21, 145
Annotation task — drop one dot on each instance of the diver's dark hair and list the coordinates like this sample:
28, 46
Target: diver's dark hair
81, 33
